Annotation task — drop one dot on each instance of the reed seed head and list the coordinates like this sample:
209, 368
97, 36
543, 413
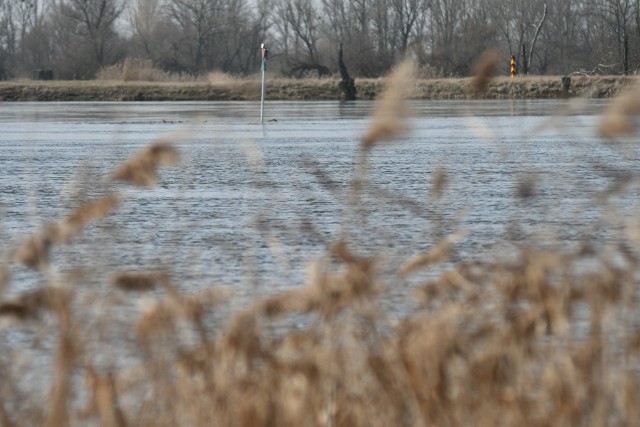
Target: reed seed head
439, 253
30, 304
484, 70
139, 282
73, 224
391, 111
620, 118
141, 168
34, 251
439, 182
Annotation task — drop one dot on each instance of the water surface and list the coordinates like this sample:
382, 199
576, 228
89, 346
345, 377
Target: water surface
251, 204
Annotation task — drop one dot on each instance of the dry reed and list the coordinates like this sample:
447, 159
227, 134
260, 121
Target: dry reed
221, 78
534, 340
391, 111
621, 116
141, 70
484, 70
34, 251
137, 282
141, 169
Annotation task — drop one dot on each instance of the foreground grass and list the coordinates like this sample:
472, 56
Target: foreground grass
535, 340
303, 89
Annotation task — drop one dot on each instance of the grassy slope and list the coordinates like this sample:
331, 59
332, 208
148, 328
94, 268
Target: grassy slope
307, 89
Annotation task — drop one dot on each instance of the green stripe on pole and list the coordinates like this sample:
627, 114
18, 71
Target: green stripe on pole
265, 53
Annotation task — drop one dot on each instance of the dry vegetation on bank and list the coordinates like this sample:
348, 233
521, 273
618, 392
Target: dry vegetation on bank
537, 341
126, 85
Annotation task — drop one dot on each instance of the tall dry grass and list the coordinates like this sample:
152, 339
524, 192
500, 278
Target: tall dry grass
550, 337
141, 70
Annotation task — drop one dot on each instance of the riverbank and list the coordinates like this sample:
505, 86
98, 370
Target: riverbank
537, 87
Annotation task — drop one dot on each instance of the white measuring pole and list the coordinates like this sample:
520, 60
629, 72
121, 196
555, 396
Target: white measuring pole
262, 100
263, 67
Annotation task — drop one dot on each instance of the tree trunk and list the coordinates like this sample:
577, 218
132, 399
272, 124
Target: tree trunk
625, 61
535, 37
347, 85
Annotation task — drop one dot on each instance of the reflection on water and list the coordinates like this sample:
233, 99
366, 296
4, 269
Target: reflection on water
251, 204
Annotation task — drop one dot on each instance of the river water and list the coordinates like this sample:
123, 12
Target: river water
250, 204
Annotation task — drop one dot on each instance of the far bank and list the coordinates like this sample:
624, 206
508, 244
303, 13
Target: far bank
537, 87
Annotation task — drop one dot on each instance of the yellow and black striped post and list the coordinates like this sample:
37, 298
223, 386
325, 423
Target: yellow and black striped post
513, 66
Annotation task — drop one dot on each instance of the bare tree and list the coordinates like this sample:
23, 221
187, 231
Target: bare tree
23, 41
536, 33
521, 22
144, 18
382, 31
95, 20
199, 21
301, 22
339, 22
446, 19
217, 34
618, 15
406, 13
350, 23
34, 42
254, 31
7, 38
77, 37
236, 36
599, 37
562, 51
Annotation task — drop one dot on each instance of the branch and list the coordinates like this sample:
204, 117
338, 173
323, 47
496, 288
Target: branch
600, 68
535, 37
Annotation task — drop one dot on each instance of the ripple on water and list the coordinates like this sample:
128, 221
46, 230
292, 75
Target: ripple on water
253, 198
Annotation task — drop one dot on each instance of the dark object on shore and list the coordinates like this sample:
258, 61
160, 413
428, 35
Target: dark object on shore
42, 75
566, 84
347, 85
